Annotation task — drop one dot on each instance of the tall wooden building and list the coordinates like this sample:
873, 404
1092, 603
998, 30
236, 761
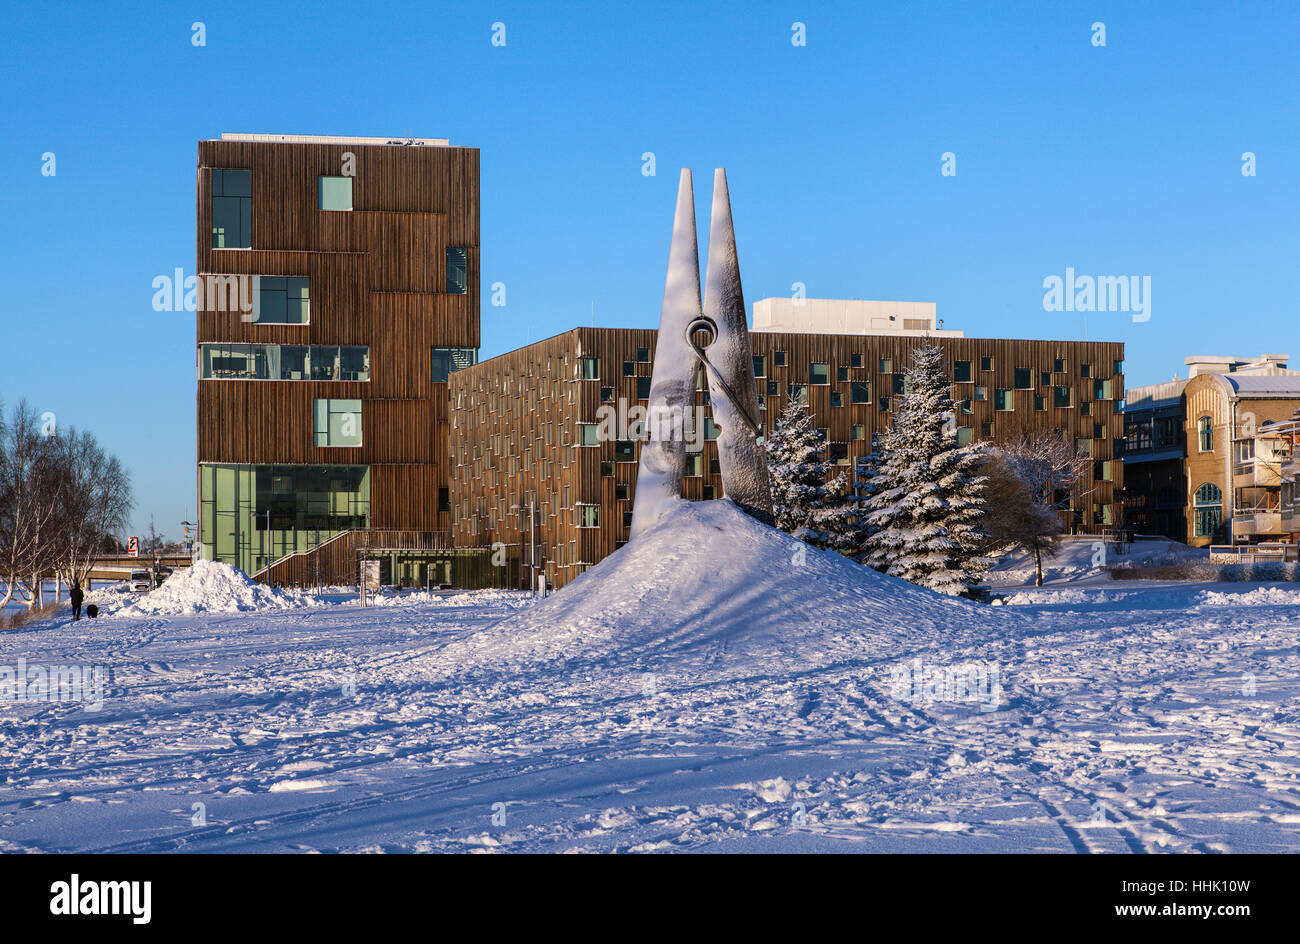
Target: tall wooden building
338, 289
549, 430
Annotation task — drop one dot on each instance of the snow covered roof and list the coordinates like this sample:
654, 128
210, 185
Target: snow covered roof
1257, 384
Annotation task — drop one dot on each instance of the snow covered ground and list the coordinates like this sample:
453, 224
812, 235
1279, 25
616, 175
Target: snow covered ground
717, 687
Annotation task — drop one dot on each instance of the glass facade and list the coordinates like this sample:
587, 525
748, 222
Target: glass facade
282, 300
337, 422
232, 208
444, 361
284, 362
306, 505
457, 270
334, 193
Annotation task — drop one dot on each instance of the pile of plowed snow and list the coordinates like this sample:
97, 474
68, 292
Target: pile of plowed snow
212, 587
494, 597
709, 588
1260, 596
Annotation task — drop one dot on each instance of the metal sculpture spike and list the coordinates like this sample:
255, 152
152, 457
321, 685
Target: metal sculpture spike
678, 356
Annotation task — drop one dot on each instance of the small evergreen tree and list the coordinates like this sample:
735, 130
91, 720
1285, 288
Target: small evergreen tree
804, 503
928, 496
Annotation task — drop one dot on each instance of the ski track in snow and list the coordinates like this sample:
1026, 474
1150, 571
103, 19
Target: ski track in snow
1123, 727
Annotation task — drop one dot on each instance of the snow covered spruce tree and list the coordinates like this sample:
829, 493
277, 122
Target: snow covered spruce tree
804, 502
928, 498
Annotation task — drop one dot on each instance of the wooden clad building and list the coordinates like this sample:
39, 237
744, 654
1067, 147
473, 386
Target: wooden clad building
552, 428
322, 406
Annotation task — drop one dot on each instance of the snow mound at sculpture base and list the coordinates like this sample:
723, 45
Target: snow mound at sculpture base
709, 587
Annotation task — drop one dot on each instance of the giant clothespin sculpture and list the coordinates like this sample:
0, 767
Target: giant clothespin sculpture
727, 359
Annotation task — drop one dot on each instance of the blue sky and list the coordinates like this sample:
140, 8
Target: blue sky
1122, 160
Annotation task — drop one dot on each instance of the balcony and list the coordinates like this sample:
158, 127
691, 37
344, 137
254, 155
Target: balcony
1253, 523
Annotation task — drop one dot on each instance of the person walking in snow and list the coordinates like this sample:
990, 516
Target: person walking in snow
76, 596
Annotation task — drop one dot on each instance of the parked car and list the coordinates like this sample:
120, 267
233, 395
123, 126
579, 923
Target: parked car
140, 581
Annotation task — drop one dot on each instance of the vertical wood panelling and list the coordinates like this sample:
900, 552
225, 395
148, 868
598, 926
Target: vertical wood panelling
377, 278
501, 410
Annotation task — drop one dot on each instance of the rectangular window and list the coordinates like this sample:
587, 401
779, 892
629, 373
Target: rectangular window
706, 492
232, 208
588, 434
282, 300
629, 368
284, 362
860, 392
965, 407
457, 270
799, 392
961, 372
1024, 379
778, 358
838, 453
444, 499
859, 432
835, 398
980, 393
1085, 408
338, 422
1083, 446
986, 363
643, 355
588, 368
710, 428
606, 394
694, 464
1085, 370
1040, 404
773, 388
1058, 365
818, 374
643, 388
986, 429
624, 451
855, 360
964, 435
1004, 400
899, 384
444, 361
588, 516
886, 365
760, 365
883, 405
1117, 367
1045, 379
607, 470
1060, 397
334, 193
1101, 389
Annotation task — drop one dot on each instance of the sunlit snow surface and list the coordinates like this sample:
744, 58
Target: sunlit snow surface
714, 686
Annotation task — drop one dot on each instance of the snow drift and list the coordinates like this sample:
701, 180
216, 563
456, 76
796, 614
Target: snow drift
710, 588
212, 587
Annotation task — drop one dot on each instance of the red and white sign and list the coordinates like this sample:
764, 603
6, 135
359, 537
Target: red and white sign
132, 547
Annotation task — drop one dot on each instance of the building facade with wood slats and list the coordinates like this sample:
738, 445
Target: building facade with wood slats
323, 410
550, 429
